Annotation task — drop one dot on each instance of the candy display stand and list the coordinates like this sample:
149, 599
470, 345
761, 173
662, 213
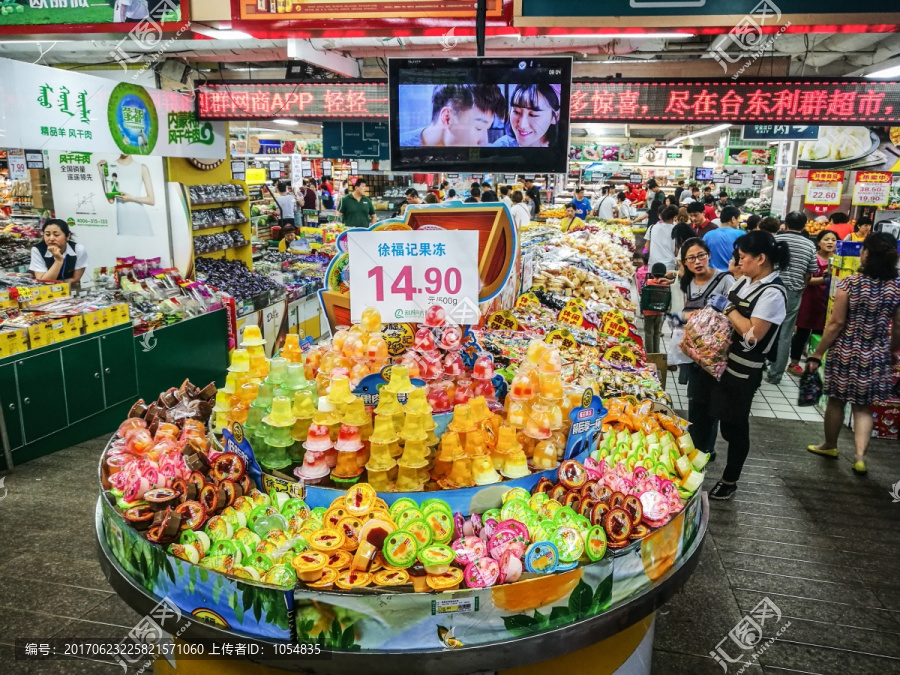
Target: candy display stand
530, 621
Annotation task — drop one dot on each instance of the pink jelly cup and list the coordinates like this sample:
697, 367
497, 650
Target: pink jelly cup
482, 573
510, 568
468, 549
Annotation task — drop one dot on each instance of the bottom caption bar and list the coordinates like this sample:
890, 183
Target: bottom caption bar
134, 651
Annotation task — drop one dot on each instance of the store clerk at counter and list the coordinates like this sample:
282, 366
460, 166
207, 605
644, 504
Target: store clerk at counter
58, 258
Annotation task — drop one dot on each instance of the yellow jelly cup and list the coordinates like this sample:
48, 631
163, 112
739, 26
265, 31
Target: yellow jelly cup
339, 560
391, 578
327, 540
352, 579
326, 581
448, 581
309, 565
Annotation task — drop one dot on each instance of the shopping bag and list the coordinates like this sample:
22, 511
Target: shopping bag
674, 355
810, 388
707, 337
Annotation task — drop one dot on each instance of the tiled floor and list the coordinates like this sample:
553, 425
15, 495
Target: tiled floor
779, 402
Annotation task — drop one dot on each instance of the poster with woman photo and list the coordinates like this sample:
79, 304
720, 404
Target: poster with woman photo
114, 203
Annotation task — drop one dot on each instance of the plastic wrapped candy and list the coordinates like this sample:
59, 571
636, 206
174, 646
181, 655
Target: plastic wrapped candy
451, 338
453, 365
435, 316
370, 320
424, 340
707, 338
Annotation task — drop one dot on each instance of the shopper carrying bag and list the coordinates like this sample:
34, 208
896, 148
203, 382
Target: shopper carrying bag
755, 307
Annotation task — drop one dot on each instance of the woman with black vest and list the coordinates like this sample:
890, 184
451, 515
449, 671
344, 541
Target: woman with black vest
756, 308
58, 258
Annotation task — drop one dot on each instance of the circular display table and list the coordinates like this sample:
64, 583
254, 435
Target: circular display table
534, 620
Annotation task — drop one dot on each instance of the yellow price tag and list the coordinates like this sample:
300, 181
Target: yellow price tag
562, 334
614, 324
502, 320
527, 300
620, 354
571, 316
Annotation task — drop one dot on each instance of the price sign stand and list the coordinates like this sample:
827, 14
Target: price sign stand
479, 242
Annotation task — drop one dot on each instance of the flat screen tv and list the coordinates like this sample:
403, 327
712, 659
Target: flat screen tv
703, 174
480, 114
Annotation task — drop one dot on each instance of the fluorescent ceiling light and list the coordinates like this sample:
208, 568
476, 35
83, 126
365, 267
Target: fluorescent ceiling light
893, 71
625, 62
223, 34
286, 122
711, 130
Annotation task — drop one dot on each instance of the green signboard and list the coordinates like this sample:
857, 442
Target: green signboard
85, 12
745, 15
355, 140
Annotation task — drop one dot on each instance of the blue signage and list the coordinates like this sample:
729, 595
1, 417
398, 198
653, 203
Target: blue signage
778, 132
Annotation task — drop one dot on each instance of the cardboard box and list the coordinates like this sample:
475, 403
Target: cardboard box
39, 335
29, 296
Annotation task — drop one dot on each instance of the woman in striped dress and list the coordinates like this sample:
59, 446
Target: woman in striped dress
863, 335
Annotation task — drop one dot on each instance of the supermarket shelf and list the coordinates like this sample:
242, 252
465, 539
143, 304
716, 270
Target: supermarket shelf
224, 248
218, 202
221, 223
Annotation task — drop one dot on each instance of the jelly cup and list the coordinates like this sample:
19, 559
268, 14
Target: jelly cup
483, 369
435, 316
424, 340
370, 320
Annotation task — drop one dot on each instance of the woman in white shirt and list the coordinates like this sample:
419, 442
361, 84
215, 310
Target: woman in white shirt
521, 214
58, 258
624, 209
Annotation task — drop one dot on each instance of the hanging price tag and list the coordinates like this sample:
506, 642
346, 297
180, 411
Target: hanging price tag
562, 335
614, 324
872, 188
824, 188
527, 300
570, 316
18, 169
502, 320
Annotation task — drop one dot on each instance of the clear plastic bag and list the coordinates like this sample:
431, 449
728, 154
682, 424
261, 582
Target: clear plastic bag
707, 337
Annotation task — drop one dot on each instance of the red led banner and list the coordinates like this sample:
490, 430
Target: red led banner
819, 101
308, 100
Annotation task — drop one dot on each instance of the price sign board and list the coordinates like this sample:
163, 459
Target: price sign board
872, 188
502, 320
824, 188
614, 324
18, 170
527, 300
403, 273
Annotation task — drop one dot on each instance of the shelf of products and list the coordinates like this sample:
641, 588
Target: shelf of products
223, 205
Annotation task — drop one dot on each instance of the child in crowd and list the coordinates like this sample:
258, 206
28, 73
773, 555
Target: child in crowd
653, 320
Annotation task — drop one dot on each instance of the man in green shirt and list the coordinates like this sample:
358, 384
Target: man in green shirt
356, 208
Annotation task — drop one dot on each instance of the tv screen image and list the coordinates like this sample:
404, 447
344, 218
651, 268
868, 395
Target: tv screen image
703, 174
480, 114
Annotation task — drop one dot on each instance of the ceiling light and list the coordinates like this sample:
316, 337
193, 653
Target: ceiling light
711, 130
893, 71
622, 62
286, 122
222, 34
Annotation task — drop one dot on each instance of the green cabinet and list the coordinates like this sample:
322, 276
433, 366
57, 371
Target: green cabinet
41, 394
119, 369
11, 408
84, 379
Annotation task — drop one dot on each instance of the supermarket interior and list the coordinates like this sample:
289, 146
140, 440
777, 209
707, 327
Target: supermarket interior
449, 339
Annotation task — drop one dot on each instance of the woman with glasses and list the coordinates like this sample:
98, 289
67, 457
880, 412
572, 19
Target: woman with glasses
699, 281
